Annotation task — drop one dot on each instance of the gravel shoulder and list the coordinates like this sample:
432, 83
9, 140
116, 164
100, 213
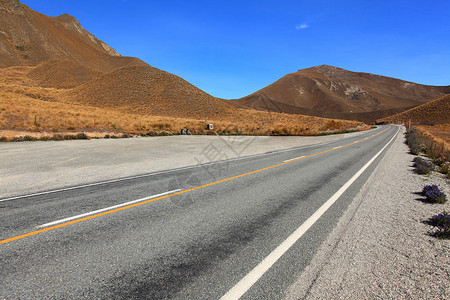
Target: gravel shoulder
381, 248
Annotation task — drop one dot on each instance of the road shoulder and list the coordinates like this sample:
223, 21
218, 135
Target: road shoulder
32, 167
381, 247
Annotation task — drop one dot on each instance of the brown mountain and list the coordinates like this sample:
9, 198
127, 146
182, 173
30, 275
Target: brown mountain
63, 55
56, 76
436, 111
332, 92
28, 38
148, 90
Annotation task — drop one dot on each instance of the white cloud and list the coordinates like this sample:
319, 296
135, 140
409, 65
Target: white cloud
302, 26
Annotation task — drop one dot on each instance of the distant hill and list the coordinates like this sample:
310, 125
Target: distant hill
327, 91
63, 55
147, 90
56, 76
436, 111
28, 38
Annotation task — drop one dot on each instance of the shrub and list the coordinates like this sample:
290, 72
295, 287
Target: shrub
25, 138
434, 194
81, 136
17, 139
423, 166
415, 149
29, 138
413, 142
439, 160
429, 123
442, 223
57, 137
445, 169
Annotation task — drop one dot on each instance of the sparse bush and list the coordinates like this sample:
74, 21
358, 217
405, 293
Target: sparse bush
57, 137
422, 166
3, 139
412, 141
439, 160
429, 123
29, 138
25, 138
434, 144
415, 149
442, 223
434, 194
81, 136
445, 169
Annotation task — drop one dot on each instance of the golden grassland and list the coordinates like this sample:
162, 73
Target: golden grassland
435, 143
436, 111
26, 107
440, 134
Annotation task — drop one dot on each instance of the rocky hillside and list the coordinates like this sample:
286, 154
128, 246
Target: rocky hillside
328, 91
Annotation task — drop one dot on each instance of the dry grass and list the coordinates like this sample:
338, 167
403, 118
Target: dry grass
440, 134
40, 115
25, 107
436, 111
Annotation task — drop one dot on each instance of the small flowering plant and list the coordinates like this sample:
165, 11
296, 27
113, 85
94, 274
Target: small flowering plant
442, 223
422, 166
434, 194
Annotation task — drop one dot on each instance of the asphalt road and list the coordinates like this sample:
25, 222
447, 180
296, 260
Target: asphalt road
204, 230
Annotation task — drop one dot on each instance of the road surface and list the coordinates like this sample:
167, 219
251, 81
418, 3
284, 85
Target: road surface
240, 228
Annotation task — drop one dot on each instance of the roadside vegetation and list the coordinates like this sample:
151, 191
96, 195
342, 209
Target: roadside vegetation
432, 153
47, 113
433, 194
441, 222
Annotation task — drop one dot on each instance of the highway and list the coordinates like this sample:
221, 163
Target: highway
240, 228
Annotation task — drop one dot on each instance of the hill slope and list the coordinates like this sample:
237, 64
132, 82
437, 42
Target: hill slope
436, 111
56, 76
28, 38
150, 91
328, 91
63, 55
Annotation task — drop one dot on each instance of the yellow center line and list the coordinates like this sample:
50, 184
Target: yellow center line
173, 194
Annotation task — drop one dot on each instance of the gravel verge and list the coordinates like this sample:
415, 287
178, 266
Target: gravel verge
381, 248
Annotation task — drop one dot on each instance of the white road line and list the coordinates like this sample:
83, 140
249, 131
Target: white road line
251, 278
337, 147
294, 158
105, 209
156, 173
61, 162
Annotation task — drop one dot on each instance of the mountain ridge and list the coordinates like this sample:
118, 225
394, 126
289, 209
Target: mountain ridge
54, 59
328, 91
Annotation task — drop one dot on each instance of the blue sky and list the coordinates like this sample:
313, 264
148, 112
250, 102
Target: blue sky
233, 48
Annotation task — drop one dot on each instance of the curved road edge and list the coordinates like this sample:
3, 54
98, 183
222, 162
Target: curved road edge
380, 247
